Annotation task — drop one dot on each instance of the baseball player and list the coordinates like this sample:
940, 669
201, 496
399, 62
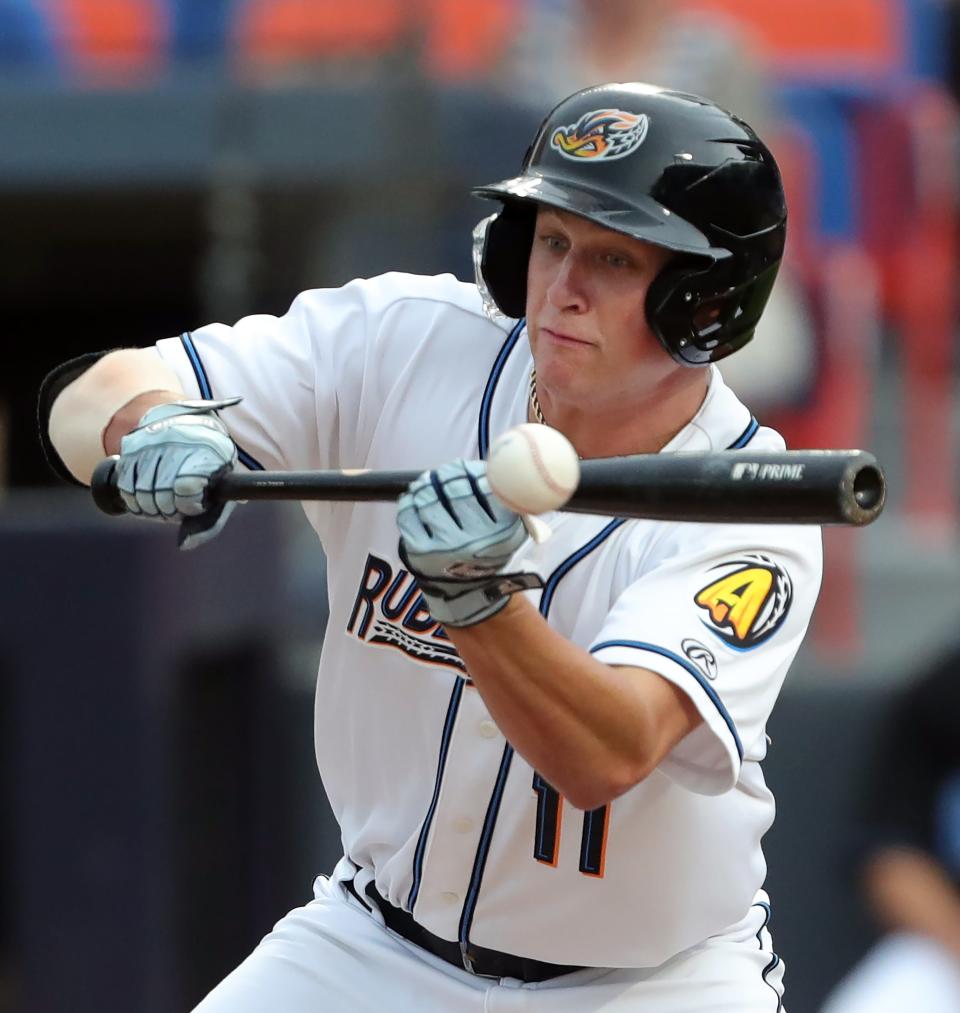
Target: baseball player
545, 759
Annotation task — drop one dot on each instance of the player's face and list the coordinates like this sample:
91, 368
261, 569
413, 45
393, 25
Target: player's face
586, 290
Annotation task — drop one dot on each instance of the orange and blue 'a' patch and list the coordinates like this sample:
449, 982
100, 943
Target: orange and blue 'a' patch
748, 602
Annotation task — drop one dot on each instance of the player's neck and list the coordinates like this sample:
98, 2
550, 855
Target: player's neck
641, 424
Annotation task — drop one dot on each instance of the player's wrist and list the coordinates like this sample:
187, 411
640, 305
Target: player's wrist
128, 417
470, 609
461, 604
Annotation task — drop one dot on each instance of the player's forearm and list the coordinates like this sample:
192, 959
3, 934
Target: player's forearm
104, 403
911, 891
584, 726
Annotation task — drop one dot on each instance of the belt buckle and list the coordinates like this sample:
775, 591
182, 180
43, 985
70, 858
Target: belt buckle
469, 963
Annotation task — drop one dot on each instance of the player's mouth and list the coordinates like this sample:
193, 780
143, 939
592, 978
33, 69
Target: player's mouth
564, 339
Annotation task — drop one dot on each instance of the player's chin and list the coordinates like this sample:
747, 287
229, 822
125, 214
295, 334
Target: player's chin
561, 376
560, 366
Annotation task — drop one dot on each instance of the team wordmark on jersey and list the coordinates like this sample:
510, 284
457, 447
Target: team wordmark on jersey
390, 611
601, 134
748, 600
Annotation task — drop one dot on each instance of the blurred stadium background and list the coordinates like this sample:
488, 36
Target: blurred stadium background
164, 163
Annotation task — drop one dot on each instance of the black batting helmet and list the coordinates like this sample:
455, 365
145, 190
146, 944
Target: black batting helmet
662, 166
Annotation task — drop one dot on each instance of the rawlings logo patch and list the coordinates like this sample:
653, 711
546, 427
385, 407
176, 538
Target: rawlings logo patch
701, 656
601, 134
748, 601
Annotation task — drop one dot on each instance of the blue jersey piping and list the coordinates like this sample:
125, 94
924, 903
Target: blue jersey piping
246, 459
448, 724
483, 443
483, 429
746, 436
641, 645
774, 958
476, 876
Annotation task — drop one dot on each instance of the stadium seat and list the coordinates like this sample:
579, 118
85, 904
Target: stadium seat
458, 40
276, 31
464, 40
928, 35
850, 37
199, 30
112, 38
25, 36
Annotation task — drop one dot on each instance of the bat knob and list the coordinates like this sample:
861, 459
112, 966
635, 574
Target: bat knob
104, 489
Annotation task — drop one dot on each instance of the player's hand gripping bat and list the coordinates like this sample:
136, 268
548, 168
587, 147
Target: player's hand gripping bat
719, 487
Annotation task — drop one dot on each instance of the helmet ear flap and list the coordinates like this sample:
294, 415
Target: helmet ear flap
669, 308
698, 317
506, 254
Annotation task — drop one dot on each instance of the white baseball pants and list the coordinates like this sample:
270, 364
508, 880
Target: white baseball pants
333, 956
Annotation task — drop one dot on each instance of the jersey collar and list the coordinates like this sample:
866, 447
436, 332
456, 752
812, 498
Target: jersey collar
722, 423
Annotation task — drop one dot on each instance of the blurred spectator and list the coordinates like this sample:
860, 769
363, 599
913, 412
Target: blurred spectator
564, 45
911, 861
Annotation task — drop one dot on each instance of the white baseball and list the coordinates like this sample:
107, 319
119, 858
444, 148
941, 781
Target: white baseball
533, 468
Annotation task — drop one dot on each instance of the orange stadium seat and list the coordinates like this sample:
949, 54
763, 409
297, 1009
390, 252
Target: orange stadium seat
464, 40
281, 30
860, 35
111, 37
460, 40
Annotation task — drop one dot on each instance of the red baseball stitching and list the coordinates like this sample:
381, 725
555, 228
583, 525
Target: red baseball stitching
540, 464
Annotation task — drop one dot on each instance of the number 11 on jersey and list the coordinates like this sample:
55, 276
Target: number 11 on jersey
546, 842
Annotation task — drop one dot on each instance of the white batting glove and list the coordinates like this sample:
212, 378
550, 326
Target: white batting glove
456, 538
168, 462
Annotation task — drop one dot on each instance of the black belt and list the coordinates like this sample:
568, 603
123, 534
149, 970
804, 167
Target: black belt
476, 959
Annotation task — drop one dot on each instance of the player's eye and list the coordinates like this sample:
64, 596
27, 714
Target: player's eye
552, 241
617, 260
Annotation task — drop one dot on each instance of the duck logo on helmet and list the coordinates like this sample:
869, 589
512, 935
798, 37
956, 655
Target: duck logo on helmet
602, 134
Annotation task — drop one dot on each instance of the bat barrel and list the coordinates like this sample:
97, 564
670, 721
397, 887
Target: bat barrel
789, 487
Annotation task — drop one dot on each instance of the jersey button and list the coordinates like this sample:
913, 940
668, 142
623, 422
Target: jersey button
488, 729
463, 824
449, 897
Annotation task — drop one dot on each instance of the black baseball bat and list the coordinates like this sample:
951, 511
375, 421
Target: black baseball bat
725, 486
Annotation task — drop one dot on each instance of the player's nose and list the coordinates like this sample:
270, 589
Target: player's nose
567, 289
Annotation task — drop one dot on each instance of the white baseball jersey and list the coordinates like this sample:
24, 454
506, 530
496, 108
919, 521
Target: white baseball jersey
434, 805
